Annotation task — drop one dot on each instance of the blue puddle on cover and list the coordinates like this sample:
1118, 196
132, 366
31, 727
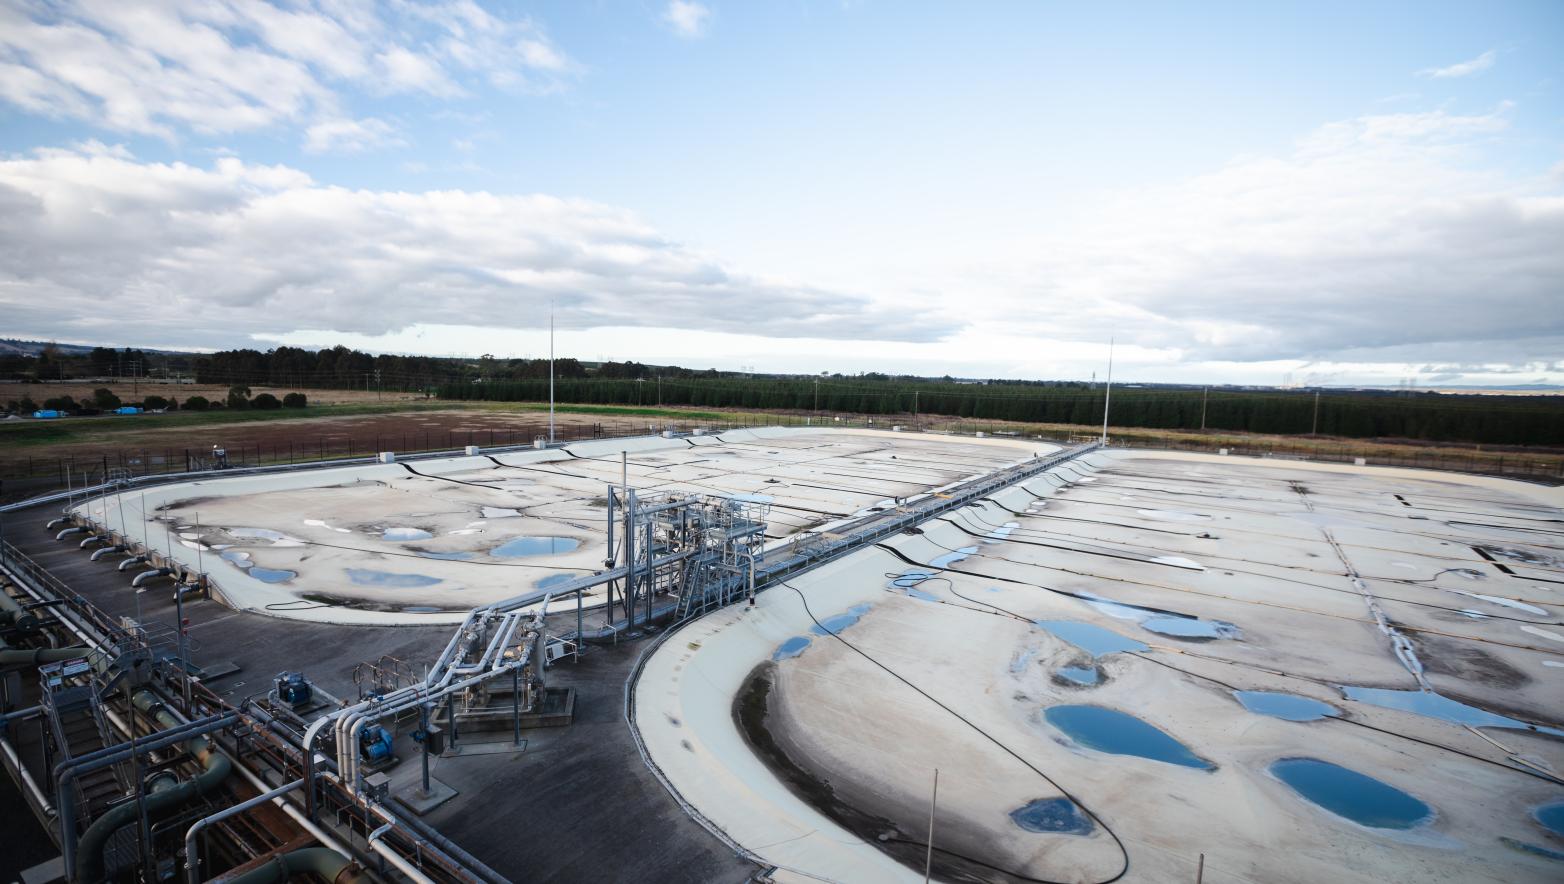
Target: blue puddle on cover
835, 624
1082, 675
271, 575
1119, 733
1290, 707
534, 546
951, 558
792, 647
1055, 816
1351, 795
369, 577
1551, 816
1438, 706
1166, 623
1094, 640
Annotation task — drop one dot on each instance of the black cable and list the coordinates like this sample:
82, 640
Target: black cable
1522, 770
1123, 851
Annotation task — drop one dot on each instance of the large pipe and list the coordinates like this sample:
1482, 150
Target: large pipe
29, 785
322, 861
395, 858
192, 851
215, 769
153, 574
34, 656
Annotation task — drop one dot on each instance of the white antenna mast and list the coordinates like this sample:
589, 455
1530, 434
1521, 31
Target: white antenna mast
1107, 393
551, 372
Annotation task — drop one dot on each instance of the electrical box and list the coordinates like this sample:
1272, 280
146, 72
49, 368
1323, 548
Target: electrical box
387, 457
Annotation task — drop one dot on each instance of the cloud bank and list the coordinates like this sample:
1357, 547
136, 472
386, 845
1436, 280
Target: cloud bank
226, 66
96, 244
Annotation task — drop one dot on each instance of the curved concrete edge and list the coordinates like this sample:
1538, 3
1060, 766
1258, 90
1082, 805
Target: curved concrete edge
705, 759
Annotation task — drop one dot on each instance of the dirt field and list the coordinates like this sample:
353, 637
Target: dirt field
306, 438
132, 392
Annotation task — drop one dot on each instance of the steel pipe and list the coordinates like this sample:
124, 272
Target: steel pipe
192, 852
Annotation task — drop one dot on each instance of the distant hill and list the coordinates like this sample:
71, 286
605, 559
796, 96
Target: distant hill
14, 347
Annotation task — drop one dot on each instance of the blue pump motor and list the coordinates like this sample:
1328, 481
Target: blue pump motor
293, 689
374, 743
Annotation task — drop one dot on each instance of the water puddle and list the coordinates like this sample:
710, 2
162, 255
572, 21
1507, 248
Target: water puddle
1288, 707
1543, 633
1169, 623
1438, 706
1001, 533
368, 577
554, 580
319, 523
272, 575
237, 558
1351, 795
1502, 602
534, 546
1081, 675
1551, 816
951, 558
446, 556
421, 609
1119, 733
1052, 816
792, 647
1173, 515
834, 625
1179, 562
404, 534
1092, 639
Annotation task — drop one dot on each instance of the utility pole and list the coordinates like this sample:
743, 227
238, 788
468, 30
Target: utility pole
817, 396
551, 373
1107, 393
915, 408
1204, 394
1315, 429
928, 857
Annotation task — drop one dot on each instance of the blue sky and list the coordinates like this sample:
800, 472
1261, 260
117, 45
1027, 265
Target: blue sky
1313, 192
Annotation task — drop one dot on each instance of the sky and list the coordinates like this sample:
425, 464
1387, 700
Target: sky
1255, 193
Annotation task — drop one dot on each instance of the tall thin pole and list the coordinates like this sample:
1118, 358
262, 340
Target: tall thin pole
928, 858
1315, 428
1204, 394
1107, 393
551, 373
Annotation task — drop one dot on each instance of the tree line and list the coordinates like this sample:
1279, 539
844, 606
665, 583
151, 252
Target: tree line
1506, 420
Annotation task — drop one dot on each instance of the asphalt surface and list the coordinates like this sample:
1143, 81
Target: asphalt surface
577, 804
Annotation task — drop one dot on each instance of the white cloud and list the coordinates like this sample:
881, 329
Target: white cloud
687, 18
228, 66
342, 135
235, 250
1462, 69
1384, 238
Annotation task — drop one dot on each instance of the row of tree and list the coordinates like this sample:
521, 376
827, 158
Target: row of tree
1509, 420
104, 399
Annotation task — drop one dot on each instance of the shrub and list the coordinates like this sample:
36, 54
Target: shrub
238, 396
61, 403
265, 401
28, 405
153, 403
12, 407
294, 400
197, 403
104, 399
